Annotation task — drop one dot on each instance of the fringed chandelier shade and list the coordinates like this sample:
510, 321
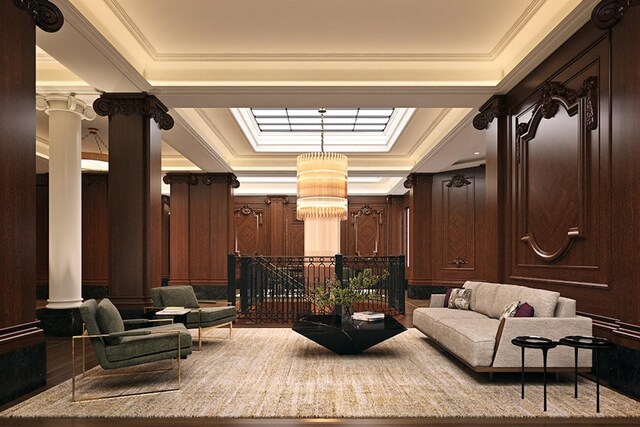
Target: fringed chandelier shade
322, 182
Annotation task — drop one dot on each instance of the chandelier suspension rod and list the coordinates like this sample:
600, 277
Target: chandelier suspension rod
322, 111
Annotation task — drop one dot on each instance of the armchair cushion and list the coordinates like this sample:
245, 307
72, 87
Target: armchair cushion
211, 316
175, 296
152, 342
109, 320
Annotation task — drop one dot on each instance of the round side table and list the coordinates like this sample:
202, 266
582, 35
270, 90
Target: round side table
590, 343
544, 344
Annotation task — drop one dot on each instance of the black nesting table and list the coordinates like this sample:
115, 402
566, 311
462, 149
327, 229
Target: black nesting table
328, 331
544, 344
590, 343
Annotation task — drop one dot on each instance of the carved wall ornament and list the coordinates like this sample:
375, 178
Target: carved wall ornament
458, 262
555, 94
609, 12
110, 104
410, 181
45, 14
269, 199
494, 108
458, 181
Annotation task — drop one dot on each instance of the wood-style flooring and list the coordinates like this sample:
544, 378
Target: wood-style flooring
59, 370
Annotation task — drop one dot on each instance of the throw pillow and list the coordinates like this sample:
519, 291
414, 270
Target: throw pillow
109, 320
510, 310
525, 310
460, 299
447, 296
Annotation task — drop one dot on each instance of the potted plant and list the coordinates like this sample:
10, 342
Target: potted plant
359, 288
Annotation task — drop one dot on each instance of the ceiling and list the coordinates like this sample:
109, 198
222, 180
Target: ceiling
207, 60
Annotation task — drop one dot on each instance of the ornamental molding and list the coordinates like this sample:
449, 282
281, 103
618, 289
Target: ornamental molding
45, 14
270, 198
493, 108
608, 13
458, 181
206, 179
62, 102
127, 104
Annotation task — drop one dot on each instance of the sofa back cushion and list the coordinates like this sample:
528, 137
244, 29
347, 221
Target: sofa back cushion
474, 291
175, 296
505, 295
485, 296
544, 302
566, 307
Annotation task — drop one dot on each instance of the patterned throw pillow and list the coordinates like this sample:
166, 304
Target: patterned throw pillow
460, 299
525, 310
510, 310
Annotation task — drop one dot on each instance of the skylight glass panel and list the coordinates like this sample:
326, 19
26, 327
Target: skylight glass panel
335, 119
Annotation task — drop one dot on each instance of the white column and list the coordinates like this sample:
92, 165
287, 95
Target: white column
321, 236
65, 197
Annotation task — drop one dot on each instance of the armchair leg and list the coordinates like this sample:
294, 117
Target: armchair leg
199, 337
230, 329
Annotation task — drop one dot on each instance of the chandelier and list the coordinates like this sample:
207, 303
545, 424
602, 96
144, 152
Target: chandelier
95, 160
322, 182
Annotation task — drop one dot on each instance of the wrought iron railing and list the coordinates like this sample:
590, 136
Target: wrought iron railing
283, 289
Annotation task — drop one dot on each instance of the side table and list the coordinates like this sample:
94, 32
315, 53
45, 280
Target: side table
590, 343
177, 315
541, 343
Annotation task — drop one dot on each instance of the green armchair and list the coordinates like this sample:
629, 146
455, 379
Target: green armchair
116, 347
199, 317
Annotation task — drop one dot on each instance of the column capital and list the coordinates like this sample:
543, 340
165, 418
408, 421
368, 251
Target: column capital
64, 102
142, 104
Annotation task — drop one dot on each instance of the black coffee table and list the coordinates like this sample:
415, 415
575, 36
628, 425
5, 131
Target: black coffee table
328, 331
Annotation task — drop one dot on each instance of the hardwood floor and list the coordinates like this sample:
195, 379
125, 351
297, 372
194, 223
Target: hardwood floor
59, 370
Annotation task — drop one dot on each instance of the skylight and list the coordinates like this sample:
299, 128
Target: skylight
335, 119
297, 130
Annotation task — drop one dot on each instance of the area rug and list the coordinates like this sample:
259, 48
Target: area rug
276, 373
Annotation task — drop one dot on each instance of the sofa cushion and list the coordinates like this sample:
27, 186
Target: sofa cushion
485, 296
510, 310
505, 295
544, 302
474, 291
473, 340
447, 295
525, 310
109, 320
460, 299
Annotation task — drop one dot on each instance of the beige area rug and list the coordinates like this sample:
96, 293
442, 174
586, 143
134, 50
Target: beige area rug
278, 373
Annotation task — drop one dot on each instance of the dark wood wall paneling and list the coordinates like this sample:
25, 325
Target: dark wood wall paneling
22, 348
447, 228
557, 233
201, 228
562, 160
267, 225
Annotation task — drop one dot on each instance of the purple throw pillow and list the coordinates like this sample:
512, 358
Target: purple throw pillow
525, 310
447, 296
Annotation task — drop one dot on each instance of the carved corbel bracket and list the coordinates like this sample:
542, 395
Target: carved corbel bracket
609, 12
45, 14
180, 179
493, 108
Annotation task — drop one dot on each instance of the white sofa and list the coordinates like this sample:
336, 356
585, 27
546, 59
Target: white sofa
483, 342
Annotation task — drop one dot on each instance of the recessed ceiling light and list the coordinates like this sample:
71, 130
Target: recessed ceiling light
476, 153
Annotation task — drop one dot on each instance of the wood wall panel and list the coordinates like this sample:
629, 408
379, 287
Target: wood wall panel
420, 265
558, 180
294, 232
625, 180
42, 229
201, 228
366, 227
95, 229
395, 225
